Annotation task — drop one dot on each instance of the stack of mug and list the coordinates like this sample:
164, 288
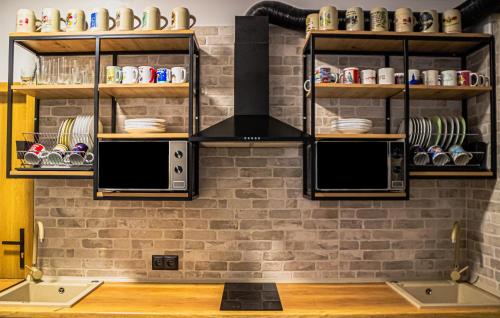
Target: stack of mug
387, 75
404, 20
145, 74
100, 20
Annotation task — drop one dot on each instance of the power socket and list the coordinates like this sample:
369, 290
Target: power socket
165, 262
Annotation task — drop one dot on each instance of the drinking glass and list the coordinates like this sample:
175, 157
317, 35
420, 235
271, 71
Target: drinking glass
28, 72
76, 74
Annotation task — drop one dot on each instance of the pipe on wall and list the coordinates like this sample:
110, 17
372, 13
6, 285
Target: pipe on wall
290, 17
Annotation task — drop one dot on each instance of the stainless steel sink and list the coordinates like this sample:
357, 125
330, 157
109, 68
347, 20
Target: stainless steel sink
443, 294
47, 293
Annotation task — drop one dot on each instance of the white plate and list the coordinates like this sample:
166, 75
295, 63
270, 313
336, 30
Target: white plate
411, 132
429, 132
154, 120
418, 132
444, 132
141, 130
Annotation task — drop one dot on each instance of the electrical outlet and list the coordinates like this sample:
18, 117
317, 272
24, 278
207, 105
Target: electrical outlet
165, 262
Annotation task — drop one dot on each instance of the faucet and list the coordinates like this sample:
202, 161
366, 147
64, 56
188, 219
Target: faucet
38, 235
456, 274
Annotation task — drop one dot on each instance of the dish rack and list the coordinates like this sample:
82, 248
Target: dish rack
47, 158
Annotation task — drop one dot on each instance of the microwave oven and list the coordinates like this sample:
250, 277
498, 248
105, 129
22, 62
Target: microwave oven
147, 166
357, 166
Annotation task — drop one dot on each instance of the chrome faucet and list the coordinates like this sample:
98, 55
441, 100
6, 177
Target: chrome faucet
38, 236
456, 274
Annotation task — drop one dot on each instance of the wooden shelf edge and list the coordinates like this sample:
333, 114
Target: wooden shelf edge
101, 194
451, 173
144, 85
360, 136
91, 34
360, 194
47, 173
143, 136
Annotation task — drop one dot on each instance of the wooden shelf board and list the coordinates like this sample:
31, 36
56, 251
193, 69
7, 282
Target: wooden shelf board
426, 92
141, 195
153, 90
368, 41
54, 173
451, 174
56, 91
360, 194
112, 41
143, 136
334, 90
360, 136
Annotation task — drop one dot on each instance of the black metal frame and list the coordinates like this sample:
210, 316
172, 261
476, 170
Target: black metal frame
194, 96
21, 244
310, 51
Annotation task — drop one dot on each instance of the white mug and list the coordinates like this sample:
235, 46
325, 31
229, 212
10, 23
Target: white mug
368, 77
130, 75
429, 20
449, 78
354, 19
484, 80
75, 20
430, 77
99, 20
125, 19
379, 19
328, 18
312, 22
147, 74
386, 75
151, 19
179, 75
452, 21
414, 77
180, 19
403, 20
51, 20
26, 21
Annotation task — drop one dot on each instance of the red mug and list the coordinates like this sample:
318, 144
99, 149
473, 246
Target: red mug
350, 75
147, 74
467, 78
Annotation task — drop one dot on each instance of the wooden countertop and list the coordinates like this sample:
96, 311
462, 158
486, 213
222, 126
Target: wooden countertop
6, 283
203, 300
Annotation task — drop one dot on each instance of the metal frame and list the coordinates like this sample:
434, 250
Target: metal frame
194, 96
310, 51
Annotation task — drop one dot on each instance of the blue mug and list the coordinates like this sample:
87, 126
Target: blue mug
163, 75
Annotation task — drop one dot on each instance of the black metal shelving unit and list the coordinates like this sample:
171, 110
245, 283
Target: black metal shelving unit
387, 45
115, 44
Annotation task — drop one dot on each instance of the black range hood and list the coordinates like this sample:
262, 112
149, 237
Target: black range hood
251, 120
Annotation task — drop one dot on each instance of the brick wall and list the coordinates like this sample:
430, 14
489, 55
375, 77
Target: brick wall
250, 221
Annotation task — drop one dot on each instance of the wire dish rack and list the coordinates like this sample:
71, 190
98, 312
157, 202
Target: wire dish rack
47, 155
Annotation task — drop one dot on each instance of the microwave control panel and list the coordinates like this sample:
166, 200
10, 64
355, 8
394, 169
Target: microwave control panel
397, 157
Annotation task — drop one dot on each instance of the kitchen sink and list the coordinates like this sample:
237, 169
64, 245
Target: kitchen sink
47, 293
427, 294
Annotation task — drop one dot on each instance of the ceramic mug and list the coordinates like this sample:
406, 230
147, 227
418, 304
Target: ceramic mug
328, 18
163, 75
368, 77
34, 154
459, 156
26, 21
78, 155
354, 19
57, 155
403, 20
147, 74
414, 77
130, 75
99, 20
429, 20
180, 19
386, 75
51, 20
399, 78
125, 19
75, 21
312, 22
114, 74
467, 78
438, 157
151, 19
484, 80
419, 156
179, 75
379, 19
452, 21
350, 75
430, 77
322, 74
449, 78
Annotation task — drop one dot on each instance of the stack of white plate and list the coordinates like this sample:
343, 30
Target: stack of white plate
77, 130
352, 125
145, 125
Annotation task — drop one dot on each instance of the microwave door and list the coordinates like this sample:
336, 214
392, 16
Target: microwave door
352, 166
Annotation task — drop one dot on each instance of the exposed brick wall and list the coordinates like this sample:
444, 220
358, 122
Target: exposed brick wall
250, 221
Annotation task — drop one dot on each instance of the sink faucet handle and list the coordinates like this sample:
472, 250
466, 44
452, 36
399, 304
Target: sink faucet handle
463, 269
456, 274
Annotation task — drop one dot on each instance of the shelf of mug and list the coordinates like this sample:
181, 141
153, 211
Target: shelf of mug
111, 41
149, 90
419, 42
360, 136
56, 91
143, 136
427, 92
336, 90
46, 173
451, 174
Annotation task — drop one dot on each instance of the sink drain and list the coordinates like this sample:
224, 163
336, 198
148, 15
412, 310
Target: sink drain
61, 290
428, 291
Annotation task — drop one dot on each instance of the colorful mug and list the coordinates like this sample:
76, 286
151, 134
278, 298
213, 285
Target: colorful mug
429, 21
312, 22
57, 154
75, 20
147, 74
99, 20
467, 78
51, 20
438, 156
350, 75
419, 156
379, 19
452, 21
354, 19
328, 18
163, 75
114, 74
459, 155
403, 20
26, 21
322, 74
34, 154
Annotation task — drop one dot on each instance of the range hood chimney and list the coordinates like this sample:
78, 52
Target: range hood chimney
251, 120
